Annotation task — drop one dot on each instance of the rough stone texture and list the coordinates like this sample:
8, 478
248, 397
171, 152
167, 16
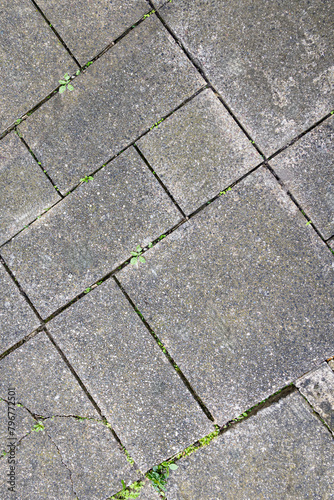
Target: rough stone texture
90, 233
282, 452
92, 455
16, 317
24, 190
318, 388
120, 96
32, 60
240, 296
129, 377
44, 384
40, 472
198, 151
306, 168
331, 364
331, 243
271, 61
87, 27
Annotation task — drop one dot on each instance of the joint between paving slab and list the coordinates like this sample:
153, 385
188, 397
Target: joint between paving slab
22, 292
203, 75
38, 162
293, 199
159, 180
90, 397
37, 7
168, 356
25, 339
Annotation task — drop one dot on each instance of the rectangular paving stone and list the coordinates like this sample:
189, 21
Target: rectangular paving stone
32, 60
43, 382
87, 27
240, 296
118, 98
198, 151
282, 452
318, 388
271, 61
16, 317
306, 168
93, 456
90, 233
24, 190
129, 377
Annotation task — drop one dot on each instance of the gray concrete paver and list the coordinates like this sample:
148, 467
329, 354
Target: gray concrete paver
31, 57
271, 61
240, 296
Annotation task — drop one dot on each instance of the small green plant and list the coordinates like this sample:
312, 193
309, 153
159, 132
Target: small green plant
132, 491
38, 427
78, 72
65, 83
148, 15
18, 121
224, 192
308, 223
150, 245
162, 236
159, 476
137, 256
87, 178
87, 290
156, 124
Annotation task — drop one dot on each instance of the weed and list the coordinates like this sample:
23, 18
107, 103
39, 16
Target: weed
99, 283
137, 257
78, 72
148, 15
162, 236
88, 64
38, 427
156, 124
150, 245
87, 178
224, 192
309, 222
65, 83
18, 121
159, 476
132, 491
87, 290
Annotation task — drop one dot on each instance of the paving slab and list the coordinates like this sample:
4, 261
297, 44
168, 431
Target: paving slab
239, 295
306, 168
87, 27
24, 190
39, 471
93, 456
198, 151
271, 61
114, 101
43, 382
331, 243
318, 388
32, 60
21, 424
16, 317
90, 233
128, 376
148, 493
282, 452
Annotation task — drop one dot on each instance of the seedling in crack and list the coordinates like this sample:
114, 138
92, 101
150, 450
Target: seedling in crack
159, 476
65, 84
137, 256
38, 427
87, 178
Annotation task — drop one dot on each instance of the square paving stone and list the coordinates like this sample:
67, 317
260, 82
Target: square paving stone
198, 151
240, 296
43, 382
129, 377
118, 98
271, 61
32, 60
318, 388
16, 317
87, 27
282, 452
93, 456
90, 233
24, 190
39, 471
306, 168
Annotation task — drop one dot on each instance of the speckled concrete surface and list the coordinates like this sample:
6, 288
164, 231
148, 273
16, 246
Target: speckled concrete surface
158, 278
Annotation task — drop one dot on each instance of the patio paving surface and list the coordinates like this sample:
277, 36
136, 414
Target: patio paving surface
166, 250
